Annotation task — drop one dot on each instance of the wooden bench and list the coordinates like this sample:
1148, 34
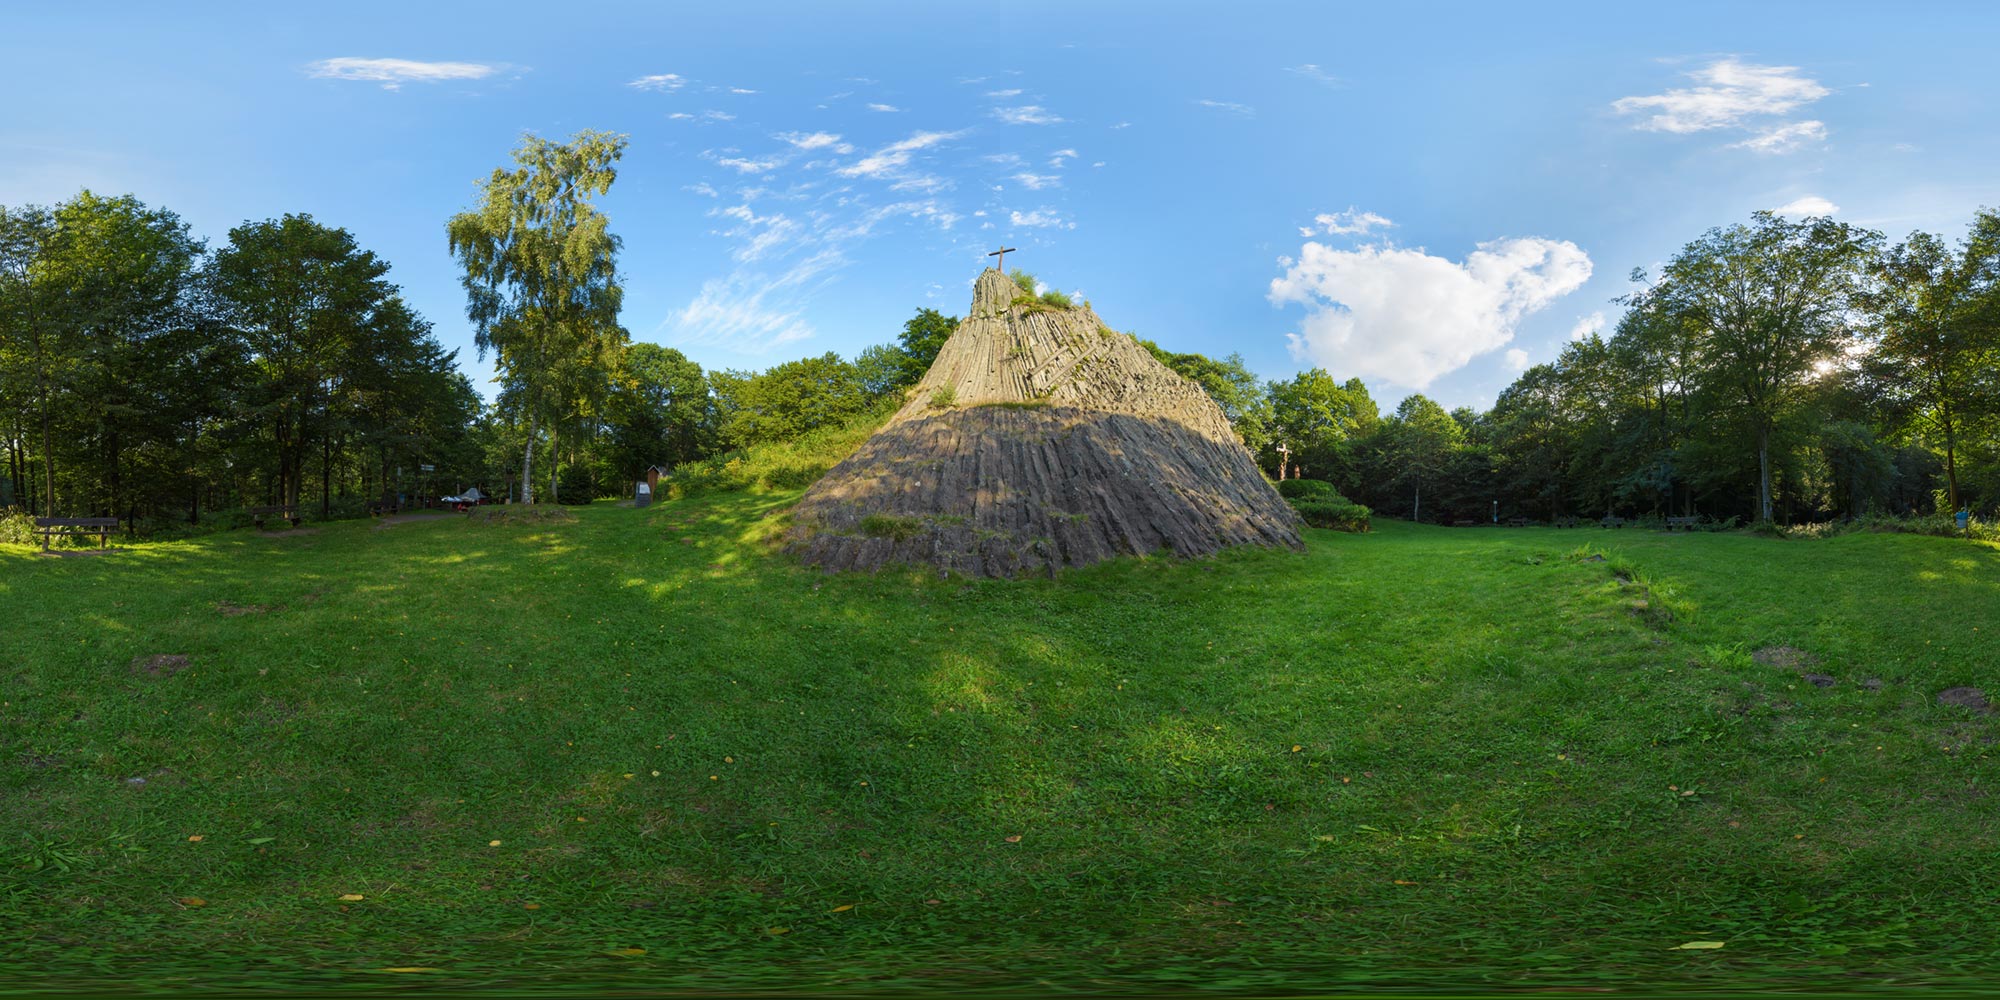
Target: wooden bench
102, 527
1517, 522
1612, 522
1682, 522
258, 514
1565, 521
385, 504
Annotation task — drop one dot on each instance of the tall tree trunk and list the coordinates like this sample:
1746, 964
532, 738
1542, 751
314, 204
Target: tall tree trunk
528, 465
325, 475
48, 457
1764, 469
1951, 457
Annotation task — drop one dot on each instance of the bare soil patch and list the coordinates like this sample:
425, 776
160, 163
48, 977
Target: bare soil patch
1785, 657
230, 610
159, 664
1965, 697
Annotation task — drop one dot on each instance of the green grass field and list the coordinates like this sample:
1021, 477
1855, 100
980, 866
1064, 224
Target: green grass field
640, 749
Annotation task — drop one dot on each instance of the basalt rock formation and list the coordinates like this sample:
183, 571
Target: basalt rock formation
1040, 438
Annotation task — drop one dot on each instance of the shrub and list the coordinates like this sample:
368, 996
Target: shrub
1338, 513
775, 465
945, 398
17, 528
1308, 489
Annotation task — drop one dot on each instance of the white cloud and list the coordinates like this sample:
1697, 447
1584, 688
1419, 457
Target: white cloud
1811, 204
704, 190
393, 73
1407, 317
810, 141
751, 313
1516, 359
1027, 114
1587, 326
1056, 158
1041, 218
1315, 74
1122, 125
883, 107
741, 90
1785, 138
748, 166
664, 82
1240, 110
1728, 92
1352, 222
1036, 182
1015, 92
889, 159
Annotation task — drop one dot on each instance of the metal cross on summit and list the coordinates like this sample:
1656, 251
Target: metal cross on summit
1002, 255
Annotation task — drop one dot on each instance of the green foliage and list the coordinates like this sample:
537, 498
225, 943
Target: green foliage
776, 465
17, 528
790, 399
944, 398
1306, 489
1335, 513
541, 282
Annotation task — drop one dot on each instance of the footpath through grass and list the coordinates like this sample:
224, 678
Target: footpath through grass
639, 749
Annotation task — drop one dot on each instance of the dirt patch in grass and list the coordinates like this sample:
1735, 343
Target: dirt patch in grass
232, 610
1965, 697
159, 665
1785, 658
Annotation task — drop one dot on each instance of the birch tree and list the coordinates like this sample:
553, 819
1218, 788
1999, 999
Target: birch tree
540, 277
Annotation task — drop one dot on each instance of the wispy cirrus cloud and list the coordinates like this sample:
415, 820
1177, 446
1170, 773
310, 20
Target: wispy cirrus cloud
1040, 218
1027, 114
1785, 138
1230, 107
393, 73
1036, 182
884, 107
1311, 71
1352, 222
665, 83
894, 157
814, 141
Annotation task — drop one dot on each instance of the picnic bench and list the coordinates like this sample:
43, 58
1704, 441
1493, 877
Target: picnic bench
50, 527
1565, 521
387, 503
1682, 522
1517, 521
1612, 521
286, 511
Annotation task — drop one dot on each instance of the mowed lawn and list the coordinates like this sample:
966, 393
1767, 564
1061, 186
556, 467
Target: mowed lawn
642, 749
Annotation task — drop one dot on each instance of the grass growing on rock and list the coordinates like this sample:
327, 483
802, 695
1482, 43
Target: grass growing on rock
639, 749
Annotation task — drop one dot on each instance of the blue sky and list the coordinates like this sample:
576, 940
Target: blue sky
1429, 197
